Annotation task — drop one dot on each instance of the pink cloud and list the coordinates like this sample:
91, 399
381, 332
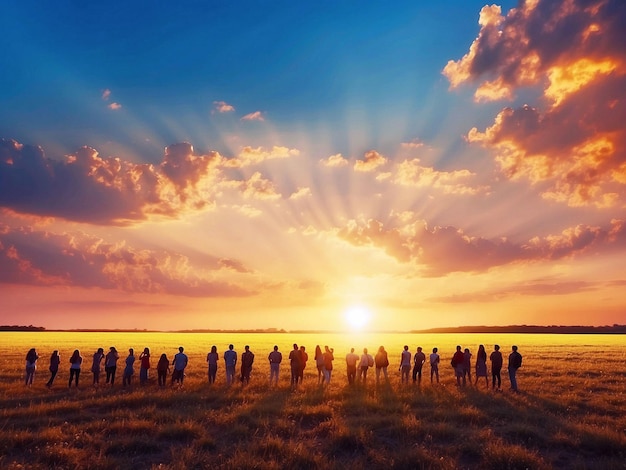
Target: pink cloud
114, 106
106, 94
49, 259
255, 116
223, 107
255, 155
412, 173
336, 160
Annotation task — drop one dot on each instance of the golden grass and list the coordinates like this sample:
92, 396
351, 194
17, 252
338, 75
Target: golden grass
570, 413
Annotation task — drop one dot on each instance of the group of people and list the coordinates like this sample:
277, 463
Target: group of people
357, 366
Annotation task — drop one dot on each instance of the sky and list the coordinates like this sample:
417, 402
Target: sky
312, 165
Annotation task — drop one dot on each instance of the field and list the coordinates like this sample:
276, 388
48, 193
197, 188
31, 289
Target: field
569, 414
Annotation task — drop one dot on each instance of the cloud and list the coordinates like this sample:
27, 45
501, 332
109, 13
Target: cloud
222, 107
414, 144
572, 53
442, 250
251, 155
86, 187
336, 160
76, 259
114, 106
371, 161
255, 116
300, 193
412, 173
106, 94
257, 187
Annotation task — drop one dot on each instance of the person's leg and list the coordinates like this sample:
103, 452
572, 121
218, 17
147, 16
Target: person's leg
419, 376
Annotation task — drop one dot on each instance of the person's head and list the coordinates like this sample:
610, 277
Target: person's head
230, 346
55, 353
295, 346
332, 350
419, 349
164, 357
435, 350
496, 347
112, 349
75, 355
146, 350
466, 350
514, 348
100, 350
406, 347
213, 349
131, 351
302, 348
246, 347
364, 350
326, 349
381, 349
481, 347
181, 349
275, 348
318, 350
351, 350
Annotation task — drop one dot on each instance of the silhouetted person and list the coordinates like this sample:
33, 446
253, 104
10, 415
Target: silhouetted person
457, 364
247, 359
304, 357
366, 362
418, 363
381, 360
295, 360
275, 358
110, 364
351, 361
144, 366
98, 356
496, 367
515, 362
31, 365
55, 360
75, 363
163, 367
319, 363
328, 363
405, 364
129, 369
434, 365
180, 363
467, 366
211, 360
230, 361
481, 364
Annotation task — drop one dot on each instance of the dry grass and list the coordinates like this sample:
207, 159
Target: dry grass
570, 413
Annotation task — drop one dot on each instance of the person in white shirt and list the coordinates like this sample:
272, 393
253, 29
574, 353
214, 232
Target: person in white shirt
434, 365
230, 361
405, 364
366, 362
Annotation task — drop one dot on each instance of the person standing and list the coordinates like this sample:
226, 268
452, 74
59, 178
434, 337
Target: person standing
129, 370
418, 363
319, 363
31, 365
230, 361
515, 362
304, 357
381, 360
481, 365
351, 361
275, 358
295, 359
434, 365
366, 362
180, 363
457, 365
75, 363
163, 367
211, 360
467, 366
98, 356
328, 363
247, 359
144, 366
110, 364
405, 364
55, 360
496, 367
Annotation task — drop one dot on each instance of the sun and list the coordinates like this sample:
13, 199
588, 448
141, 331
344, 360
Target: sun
357, 317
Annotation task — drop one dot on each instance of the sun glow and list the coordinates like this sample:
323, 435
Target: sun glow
357, 317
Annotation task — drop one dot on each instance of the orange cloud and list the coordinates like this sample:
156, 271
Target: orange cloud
411, 173
106, 94
571, 52
371, 161
114, 106
223, 107
251, 156
336, 160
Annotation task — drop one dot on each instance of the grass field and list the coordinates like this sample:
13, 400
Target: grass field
570, 413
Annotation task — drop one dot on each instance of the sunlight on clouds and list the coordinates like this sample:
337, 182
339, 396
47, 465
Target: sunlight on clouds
566, 79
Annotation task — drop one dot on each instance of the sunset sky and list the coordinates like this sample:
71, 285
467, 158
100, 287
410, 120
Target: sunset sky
212, 164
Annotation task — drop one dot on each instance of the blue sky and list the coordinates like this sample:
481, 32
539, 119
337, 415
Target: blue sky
276, 164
